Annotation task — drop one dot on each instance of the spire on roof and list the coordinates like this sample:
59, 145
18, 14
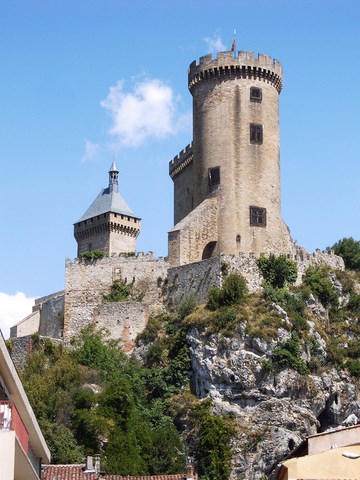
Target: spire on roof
113, 178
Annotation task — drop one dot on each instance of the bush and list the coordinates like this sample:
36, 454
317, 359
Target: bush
317, 278
119, 292
288, 355
349, 250
186, 306
232, 292
93, 254
277, 271
353, 305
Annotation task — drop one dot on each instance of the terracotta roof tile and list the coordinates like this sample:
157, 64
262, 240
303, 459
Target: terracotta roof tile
75, 472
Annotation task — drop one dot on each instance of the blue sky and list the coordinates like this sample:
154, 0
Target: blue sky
82, 82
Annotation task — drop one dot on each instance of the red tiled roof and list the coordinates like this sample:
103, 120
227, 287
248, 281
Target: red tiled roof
75, 472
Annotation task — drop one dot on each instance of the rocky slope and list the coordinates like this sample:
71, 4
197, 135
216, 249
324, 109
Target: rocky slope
276, 406
274, 411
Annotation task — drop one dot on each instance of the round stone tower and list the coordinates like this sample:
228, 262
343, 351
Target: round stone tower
235, 154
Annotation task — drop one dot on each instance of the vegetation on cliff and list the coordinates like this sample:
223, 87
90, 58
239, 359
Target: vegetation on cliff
139, 412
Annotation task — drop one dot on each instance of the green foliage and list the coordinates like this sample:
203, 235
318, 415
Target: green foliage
212, 442
292, 302
93, 254
277, 271
232, 292
119, 292
349, 250
354, 367
288, 355
318, 280
127, 254
94, 392
61, 442
186, 306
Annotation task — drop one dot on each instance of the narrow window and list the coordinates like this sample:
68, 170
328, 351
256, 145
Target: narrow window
255, 94
214, 176
256, 134
257, 217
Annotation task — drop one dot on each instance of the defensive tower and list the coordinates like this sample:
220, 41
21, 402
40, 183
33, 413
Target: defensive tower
227, 182
108, 224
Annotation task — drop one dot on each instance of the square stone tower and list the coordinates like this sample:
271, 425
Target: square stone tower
108, 224
227, 182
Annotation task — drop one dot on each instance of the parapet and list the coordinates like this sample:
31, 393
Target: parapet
181, 160
241, 64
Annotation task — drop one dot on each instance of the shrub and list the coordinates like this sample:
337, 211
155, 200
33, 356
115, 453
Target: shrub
93, 254
277, 271
186, 306
353, 305
232, 292
288, 355
119, 292
354, 367
349, 250
317, 278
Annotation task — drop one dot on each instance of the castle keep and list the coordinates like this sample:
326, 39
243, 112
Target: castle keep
227, 182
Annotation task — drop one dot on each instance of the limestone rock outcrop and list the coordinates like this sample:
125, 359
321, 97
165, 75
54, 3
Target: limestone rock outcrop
273, 409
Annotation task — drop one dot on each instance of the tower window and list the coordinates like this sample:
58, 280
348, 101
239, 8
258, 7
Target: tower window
257, 217
255, 94
256, 134
214, 176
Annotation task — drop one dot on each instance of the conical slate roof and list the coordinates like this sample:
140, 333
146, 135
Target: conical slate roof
108, 200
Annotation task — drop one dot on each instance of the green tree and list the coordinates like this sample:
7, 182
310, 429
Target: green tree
349, 250
212, 443
277, 271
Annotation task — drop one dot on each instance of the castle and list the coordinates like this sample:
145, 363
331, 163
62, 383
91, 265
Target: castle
226, 212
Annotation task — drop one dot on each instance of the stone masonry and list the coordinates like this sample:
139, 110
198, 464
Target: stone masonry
234, 157
86, 282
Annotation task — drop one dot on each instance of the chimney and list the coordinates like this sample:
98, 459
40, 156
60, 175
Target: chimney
97, 463
189, 471
89, 465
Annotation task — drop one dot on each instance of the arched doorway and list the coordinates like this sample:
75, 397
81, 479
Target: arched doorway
208, 250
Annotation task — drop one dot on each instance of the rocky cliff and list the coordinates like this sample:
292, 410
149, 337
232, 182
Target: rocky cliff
281, 376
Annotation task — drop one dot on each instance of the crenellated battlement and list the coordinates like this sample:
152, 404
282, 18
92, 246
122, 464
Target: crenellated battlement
239, 65
181, 160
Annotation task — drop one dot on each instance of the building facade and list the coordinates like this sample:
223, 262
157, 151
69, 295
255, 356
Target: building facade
22, 445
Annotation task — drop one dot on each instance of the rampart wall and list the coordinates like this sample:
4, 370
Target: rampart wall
196, 278
86, 283
122, 320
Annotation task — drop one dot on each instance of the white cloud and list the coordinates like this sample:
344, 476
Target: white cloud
13, 308
91, 151
149, 111
215, 44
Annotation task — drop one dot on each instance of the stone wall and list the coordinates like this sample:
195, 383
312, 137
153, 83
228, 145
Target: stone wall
21, 348
86, 282
123, 320
188, 239
27, 326
51, 315
196, 278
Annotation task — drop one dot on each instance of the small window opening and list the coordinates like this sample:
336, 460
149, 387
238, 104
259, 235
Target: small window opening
255, 94
257, 217
214, 176
256, 134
